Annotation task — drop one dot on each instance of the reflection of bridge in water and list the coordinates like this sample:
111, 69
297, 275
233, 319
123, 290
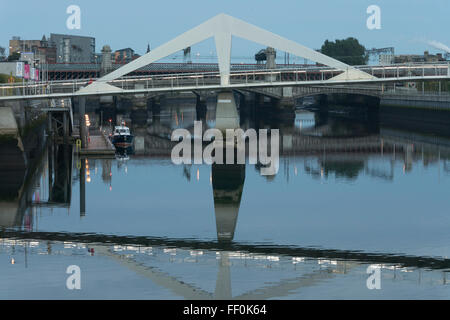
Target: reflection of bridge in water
317, 146
313, 265
55, 168
227, 186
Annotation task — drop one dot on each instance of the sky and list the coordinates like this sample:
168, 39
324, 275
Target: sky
406, 25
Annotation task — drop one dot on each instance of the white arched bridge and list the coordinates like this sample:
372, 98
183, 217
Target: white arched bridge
327, 72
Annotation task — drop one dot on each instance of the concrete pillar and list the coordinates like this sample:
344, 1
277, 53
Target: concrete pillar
226, 112
106, 99
139, 144
271, 54
140, 100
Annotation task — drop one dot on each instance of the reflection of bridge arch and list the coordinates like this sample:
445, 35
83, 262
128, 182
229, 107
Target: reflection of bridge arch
223, 289
342, 261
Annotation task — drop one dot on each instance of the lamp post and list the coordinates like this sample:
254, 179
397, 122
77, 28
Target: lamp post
96, 66
36, 64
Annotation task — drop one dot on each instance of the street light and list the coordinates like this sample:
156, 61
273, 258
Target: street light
96, 66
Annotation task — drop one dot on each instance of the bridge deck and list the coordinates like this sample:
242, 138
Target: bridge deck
249, 79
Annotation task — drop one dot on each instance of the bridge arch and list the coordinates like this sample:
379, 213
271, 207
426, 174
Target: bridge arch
222, 27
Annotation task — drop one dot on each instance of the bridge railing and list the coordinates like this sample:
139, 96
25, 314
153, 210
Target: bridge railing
136, 84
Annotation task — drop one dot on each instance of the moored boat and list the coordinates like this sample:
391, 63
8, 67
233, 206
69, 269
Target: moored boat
121, 137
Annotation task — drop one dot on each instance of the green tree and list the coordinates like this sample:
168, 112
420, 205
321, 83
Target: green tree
349, 51
14, 56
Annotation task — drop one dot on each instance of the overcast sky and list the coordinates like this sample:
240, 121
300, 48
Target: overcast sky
405, 24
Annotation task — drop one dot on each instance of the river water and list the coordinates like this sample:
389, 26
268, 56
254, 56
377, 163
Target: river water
354, 205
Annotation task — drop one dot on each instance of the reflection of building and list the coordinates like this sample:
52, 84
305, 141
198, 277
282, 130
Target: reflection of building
106, 171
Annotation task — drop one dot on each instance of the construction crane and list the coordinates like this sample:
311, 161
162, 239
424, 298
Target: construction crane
261, 56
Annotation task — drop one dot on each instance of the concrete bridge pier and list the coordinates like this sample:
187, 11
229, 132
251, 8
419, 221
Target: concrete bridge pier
226, 112
287, 99
140, 100
106, 100
139, 139
139, 112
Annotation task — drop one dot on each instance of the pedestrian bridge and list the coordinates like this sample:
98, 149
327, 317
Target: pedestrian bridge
327, 72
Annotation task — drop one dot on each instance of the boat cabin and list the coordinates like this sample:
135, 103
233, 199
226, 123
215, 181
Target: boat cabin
121, 130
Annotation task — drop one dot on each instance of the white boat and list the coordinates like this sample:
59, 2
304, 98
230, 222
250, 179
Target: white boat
122, 137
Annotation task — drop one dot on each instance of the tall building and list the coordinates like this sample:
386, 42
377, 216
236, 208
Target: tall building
123, 55
73, 49
426, 57
106, 65
45, 53
18, 45
386, 59
42, 50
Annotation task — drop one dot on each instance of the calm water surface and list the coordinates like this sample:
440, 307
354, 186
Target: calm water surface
348, 194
